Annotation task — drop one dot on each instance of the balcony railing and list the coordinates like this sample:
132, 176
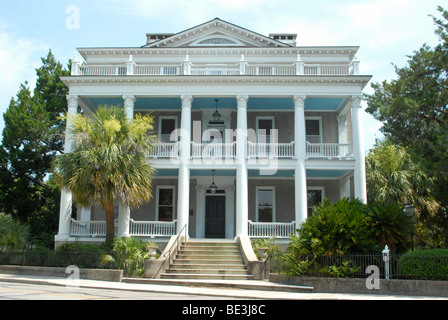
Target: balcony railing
271, 150
329, 150
165, 150
92, 229
213, 150
245, 68
254, 151
279, 230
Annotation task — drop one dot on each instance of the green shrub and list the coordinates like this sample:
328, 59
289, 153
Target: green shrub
13, 233
335, 228
130, 254
389, 225
424, 264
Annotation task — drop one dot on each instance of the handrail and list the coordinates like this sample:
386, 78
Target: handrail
169, 250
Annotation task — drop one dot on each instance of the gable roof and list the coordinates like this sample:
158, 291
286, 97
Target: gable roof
216, 33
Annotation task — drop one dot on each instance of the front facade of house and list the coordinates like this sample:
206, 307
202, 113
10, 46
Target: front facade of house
252, 131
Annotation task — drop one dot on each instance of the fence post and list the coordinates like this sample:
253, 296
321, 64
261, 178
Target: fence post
386, 259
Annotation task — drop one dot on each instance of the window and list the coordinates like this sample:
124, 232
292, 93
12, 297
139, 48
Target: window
313, 130
166, 126
265, 127
165, 203
315, 197
265, 204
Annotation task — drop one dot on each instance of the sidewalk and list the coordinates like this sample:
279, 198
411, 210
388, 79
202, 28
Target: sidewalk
220, 292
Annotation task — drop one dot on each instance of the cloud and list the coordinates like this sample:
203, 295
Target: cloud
19, 57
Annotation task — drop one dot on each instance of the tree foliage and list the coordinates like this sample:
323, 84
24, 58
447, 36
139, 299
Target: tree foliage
32, 137
108, 161
413, 107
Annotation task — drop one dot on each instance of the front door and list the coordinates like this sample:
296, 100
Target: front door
215, 217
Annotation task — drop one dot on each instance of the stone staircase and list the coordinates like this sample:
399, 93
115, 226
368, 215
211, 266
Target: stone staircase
208, 260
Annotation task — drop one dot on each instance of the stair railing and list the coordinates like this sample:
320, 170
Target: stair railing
175, 243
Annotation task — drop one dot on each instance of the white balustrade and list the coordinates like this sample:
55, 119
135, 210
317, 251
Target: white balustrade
329, 150
136, 228
152, 228
165, 150
214, 69
213, 150
279, 230
271, 150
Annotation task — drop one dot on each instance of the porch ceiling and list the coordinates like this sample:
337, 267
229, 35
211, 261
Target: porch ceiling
254, 103
311, 174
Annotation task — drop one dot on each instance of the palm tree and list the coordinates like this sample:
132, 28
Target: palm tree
108, 161
394, 178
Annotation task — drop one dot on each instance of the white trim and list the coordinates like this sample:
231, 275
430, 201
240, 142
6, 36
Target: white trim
158, 188
258, 188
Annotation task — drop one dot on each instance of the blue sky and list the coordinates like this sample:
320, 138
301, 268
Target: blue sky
386, 30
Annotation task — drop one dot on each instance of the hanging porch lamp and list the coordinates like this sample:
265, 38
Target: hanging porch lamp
213, 186
216, 115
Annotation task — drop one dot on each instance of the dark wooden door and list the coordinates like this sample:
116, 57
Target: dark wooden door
215, 217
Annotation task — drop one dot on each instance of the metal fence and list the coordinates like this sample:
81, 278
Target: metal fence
394, 266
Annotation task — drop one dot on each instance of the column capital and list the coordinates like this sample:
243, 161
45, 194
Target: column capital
356, 101
342, 120
299, 101
242, 100
72, 103
187, 99
129, 100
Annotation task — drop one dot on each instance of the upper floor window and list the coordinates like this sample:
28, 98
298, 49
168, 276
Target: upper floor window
166, 126
313, 127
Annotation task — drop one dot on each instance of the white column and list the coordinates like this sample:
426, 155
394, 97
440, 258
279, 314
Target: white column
183, 202
242, 209
129, 101
124, 212
301, 205
65, 211
358, 150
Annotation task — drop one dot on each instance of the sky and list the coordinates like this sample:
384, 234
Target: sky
387, 31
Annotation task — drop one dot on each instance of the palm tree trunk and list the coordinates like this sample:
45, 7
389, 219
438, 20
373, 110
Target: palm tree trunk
110, 223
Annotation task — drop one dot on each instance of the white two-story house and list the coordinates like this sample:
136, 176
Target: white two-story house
253, 130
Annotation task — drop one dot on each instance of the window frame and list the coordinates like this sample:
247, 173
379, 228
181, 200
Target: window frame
322, 196
320, 129
272, 189
165, 187
161, 118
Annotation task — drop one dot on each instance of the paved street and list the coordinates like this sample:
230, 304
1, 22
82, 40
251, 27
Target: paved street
24, 291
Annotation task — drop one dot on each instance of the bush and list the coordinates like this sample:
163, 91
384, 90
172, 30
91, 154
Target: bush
389, 225
130, 254
13, 234
335, 228
424, 264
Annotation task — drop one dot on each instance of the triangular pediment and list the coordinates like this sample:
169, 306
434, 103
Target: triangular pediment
216, 33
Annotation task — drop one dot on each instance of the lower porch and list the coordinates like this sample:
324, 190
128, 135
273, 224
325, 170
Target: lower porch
213, 214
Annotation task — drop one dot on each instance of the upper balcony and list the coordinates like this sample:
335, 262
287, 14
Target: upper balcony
242, 67
227, 151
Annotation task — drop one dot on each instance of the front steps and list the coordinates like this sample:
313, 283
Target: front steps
208, 260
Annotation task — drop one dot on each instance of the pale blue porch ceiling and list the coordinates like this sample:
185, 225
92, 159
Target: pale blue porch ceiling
316, 174
254, 103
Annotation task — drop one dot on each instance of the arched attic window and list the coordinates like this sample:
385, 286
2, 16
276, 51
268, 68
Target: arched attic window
217, 41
